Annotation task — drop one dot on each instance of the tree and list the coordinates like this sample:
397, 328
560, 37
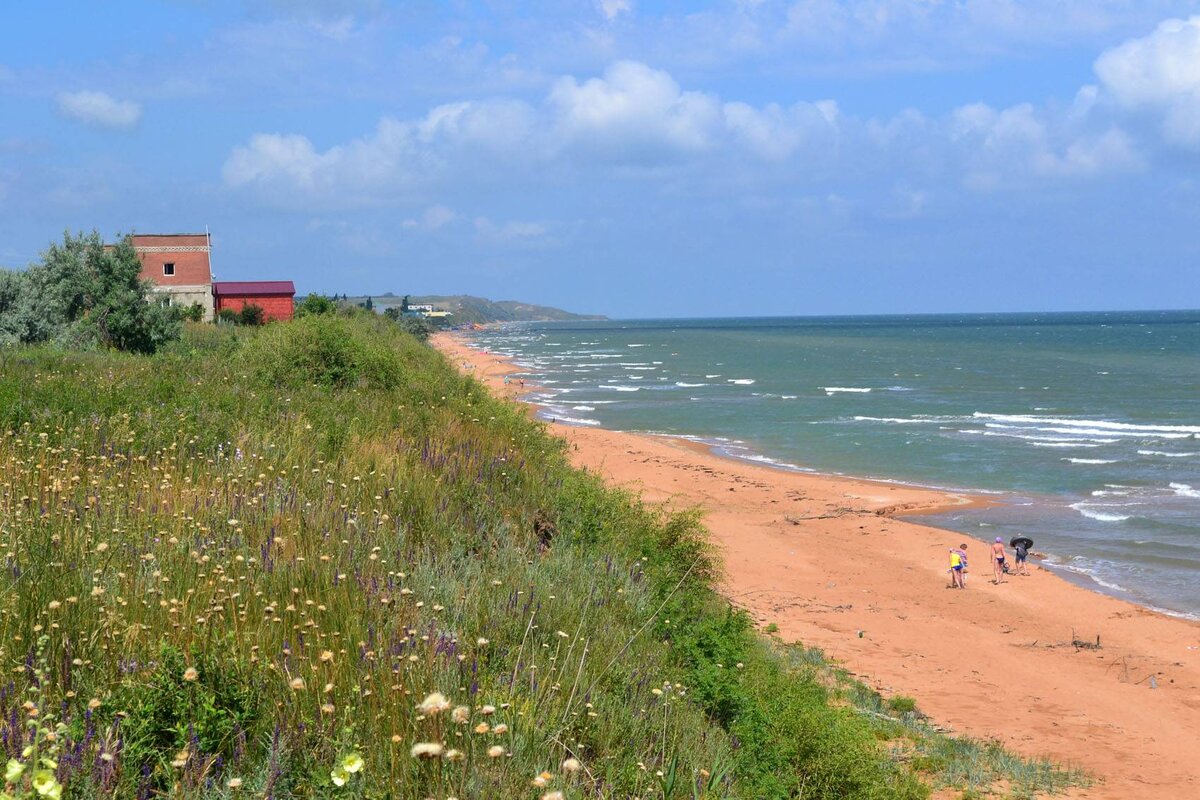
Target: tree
85, 294
315, 305
404, 305
393, 313
369, 304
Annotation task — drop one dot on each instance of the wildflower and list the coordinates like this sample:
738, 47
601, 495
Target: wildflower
327, 655
487, 711
190, 674
352, 763
297, 683
552, 796
501, 728
434, 703
495, 751
327, 708
482, 727
234, 783
482, 642
53, 605
181, 758
43, 783
13, 771
461, 715
426, 750
339, 776
454, 755
571, 765
540, 781
94, 703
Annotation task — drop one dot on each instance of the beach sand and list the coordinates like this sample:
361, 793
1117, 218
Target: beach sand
824, 558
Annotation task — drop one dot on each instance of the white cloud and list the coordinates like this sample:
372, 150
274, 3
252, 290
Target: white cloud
433, 218
1159, 72
611, 9
633, 112
513, 232
99, 108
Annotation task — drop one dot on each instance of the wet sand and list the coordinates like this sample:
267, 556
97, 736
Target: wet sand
825, 558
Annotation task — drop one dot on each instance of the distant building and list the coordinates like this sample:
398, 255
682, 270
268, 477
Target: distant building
179, 266
275, 298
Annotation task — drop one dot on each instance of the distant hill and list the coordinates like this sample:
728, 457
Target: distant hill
467, 309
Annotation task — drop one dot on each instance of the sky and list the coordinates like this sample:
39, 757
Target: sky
626, 157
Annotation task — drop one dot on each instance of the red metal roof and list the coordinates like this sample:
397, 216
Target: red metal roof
253, 288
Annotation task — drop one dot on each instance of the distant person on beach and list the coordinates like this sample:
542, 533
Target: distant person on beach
962, 553
1022, 551
998, 560
956, 570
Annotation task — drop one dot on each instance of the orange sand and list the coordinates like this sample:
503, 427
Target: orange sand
825, 557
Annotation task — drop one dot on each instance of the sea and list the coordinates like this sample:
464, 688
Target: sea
1084, 427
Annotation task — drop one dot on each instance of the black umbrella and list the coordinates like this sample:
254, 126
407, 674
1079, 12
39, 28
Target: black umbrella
1019, 541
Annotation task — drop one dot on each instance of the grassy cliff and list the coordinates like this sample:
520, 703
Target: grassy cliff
313, 561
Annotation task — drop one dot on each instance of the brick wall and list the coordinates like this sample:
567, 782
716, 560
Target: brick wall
188, 252
274, 306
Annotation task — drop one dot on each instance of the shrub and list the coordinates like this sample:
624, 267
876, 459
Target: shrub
251, 314
327, 351
315, 305
194, 313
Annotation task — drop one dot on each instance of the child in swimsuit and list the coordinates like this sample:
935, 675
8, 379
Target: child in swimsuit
956, 570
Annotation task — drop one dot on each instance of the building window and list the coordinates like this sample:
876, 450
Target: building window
168, 269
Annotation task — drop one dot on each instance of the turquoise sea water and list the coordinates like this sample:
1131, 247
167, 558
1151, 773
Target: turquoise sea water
1086, 426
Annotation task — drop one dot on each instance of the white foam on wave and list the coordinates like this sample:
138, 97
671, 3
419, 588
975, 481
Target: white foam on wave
635, 345
1165, 454
1185, 490
619, 388
1059, 444
740, 381
583, 408
1090, 460
713, 376
1091, 512
1088, 423
844, 389
1090, 431
690, 385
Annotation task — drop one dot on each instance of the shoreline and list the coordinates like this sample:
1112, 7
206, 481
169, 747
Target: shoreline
834, 563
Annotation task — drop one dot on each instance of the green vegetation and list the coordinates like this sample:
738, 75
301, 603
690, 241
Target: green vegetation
466, 309
83, 294
311, 560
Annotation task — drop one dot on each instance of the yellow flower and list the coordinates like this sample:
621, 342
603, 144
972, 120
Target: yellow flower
190, 674
339, 776
297, 683
495, 751
43, 783
571, 765
352, 762
461, 715
13, 771
234, 783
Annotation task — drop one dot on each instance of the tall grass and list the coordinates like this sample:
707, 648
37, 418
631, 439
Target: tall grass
314, 561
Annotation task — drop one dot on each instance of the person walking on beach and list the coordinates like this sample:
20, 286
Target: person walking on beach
998, 560
962, 552
1021, 548
956, 570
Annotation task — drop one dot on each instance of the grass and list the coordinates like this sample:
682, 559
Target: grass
314, 561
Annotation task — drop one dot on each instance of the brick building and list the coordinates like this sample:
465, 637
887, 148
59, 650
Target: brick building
275, 298
179, 266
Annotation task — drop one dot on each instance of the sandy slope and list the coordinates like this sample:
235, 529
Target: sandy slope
824, 558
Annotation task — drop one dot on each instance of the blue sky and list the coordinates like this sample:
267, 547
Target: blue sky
627, 157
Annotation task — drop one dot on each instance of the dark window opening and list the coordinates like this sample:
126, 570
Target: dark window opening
168, 269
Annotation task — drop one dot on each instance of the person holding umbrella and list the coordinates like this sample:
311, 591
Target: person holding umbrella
1021, 546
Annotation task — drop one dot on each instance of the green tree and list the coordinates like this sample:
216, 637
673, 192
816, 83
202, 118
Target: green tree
393, 313
316, 305
404, 305
85, 294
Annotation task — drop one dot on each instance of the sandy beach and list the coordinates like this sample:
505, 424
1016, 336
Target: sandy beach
825, 558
